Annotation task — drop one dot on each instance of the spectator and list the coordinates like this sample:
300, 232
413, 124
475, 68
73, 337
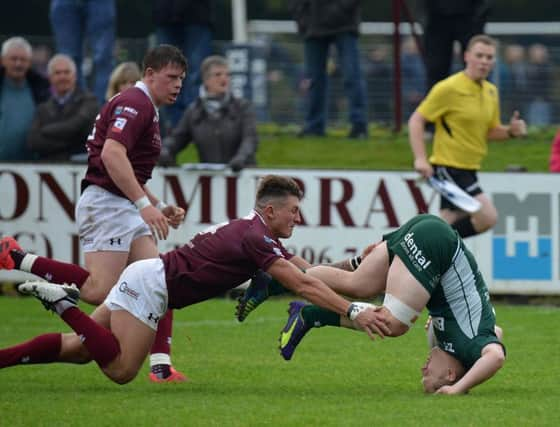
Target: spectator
539, 77
513, 78
555, 153
62, 123
186, 24
21, 89
40, 58
445, 22
125, 75
379, 75
221, 126
322, 23
74, 21
413, 76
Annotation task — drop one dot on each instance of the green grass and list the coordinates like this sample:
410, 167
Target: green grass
384, 150
337, 377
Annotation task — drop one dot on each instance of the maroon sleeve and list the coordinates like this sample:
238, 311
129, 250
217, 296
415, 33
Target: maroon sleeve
262, 249
128, 121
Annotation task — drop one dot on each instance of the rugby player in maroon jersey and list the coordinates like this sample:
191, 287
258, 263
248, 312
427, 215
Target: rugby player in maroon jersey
118, 218
119, 333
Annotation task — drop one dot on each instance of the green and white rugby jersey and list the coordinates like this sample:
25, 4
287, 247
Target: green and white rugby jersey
460, 307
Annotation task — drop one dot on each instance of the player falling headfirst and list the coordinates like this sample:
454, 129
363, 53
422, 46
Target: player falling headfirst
424, 263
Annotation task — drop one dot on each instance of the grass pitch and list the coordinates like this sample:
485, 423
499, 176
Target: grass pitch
336, 378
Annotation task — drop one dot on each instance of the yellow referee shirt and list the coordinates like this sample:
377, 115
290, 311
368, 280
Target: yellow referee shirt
463, 112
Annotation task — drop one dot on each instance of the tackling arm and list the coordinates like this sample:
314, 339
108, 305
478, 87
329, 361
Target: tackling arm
315, 291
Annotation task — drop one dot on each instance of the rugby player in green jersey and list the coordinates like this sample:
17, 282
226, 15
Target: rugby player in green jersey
424, 263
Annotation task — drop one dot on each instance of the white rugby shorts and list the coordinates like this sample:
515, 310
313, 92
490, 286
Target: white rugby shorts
107, 222
141, 290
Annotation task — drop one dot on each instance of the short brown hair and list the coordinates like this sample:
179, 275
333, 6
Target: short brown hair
160, 56
481, 38
274, 187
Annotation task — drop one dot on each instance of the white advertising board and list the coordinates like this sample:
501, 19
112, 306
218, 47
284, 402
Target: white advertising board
342, 211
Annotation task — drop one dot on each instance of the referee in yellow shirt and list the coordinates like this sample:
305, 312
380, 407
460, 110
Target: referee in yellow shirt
465, 108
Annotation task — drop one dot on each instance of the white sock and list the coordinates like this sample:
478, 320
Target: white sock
160, 359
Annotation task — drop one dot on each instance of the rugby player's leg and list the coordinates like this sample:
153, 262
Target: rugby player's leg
104, 267
405, 298
12, 256
486, 217
144, 247
367, 281
135, 339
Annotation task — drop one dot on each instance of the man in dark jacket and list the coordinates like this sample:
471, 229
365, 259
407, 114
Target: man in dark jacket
322, 23
447, 22
61, 124
21, 89
222, 127
186, 24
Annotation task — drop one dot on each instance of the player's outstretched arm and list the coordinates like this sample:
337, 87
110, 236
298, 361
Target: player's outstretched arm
315, 291
492, 359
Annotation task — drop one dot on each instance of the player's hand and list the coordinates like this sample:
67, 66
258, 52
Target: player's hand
373, 322
423, 167
517, 126
156, 221
448, 389
174, 214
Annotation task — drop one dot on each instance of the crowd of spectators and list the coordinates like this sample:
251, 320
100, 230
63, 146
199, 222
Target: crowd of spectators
334, 61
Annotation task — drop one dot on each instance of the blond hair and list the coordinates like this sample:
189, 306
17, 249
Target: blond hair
123, 73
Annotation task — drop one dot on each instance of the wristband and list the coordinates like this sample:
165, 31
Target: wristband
142, 202
355, 262
356, 308
161, 205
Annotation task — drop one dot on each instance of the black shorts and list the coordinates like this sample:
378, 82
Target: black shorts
464, 178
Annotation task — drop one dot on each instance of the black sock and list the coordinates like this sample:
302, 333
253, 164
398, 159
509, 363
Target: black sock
17, 256
464, 227
161, 371
318, 317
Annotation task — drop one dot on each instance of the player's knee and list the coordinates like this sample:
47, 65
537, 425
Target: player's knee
401, 316
122, 376
94, 291
397, 328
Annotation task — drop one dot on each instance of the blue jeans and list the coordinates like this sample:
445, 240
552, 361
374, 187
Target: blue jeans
74, 21
196, 43
316, 52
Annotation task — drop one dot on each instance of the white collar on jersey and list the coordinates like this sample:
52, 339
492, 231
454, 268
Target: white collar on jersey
142, 86
255, 213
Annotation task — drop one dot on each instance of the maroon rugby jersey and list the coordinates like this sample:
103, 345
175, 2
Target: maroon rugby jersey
220, 258
130, 118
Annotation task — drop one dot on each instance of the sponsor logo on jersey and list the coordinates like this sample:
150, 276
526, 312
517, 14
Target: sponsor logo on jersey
130, 110
123, 287
414, 252
118, 110
119, 125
